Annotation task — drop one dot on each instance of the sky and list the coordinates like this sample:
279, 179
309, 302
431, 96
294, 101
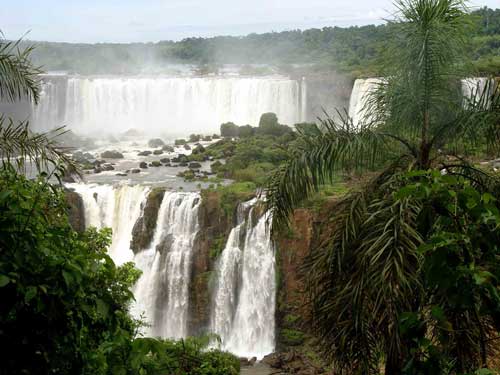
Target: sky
122, 21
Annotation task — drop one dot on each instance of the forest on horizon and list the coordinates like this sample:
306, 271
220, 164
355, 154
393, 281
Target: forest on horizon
353, 50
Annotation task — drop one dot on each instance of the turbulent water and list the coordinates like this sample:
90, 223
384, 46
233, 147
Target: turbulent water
115, 207
165, 104
244, 298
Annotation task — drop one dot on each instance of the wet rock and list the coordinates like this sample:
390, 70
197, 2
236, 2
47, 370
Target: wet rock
180, 158
167, 165
107, 167
97, 170
144, 153
155, 163
194, 165
168, 148
143, 165
183, 164
187, 147
121, 174
143, 231
113, 154
157, 152
135, 170
76, 210
198, 149
165, 160
155, 142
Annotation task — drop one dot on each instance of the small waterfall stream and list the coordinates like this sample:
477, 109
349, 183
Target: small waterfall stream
245, 295
162, 292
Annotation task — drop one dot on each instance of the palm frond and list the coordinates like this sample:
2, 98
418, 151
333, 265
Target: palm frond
24, 150
364, 275
314, 160
19, 78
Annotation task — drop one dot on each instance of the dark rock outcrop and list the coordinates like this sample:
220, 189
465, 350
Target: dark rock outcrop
214, 225
144, 153
113, 154
144, 228
143, 165
157, 152
76, 210
168, 148
156, 142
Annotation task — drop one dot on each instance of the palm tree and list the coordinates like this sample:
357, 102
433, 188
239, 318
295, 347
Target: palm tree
366, 273
19, 146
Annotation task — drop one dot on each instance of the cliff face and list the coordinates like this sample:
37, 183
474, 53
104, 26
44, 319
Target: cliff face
293, 248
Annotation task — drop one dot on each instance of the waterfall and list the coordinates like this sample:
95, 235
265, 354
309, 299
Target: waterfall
164, 104
116, 207
303, 100
162, 292
245, 293
359, 96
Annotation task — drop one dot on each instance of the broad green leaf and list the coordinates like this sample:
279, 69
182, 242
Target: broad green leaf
4, 280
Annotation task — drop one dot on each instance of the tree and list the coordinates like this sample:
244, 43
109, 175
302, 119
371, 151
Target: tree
368, 273
268, 125
246, 131
229, 129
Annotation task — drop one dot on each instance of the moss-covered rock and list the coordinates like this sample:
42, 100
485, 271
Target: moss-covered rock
144, 228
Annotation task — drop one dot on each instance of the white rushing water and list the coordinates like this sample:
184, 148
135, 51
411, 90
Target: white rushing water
115, 207
245, 293
358, 101
162, 292
165, 104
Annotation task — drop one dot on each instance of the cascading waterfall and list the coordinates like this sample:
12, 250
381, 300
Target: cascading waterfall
116, 207
245, 293
359, 96
162, 292
165, 104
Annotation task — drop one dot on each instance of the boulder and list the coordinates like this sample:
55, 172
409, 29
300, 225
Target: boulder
135, 170
157, 152
112, 154
144, 153
165, 160
183, 164
107, 167
194, 165
155, 163
97, 170
180, 158
168, 148
155, 142
167, 165
187, 147
199, 149
121, 174
143, 165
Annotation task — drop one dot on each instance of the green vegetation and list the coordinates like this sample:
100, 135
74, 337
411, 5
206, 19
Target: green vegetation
352, 50
65, 304
413, 253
